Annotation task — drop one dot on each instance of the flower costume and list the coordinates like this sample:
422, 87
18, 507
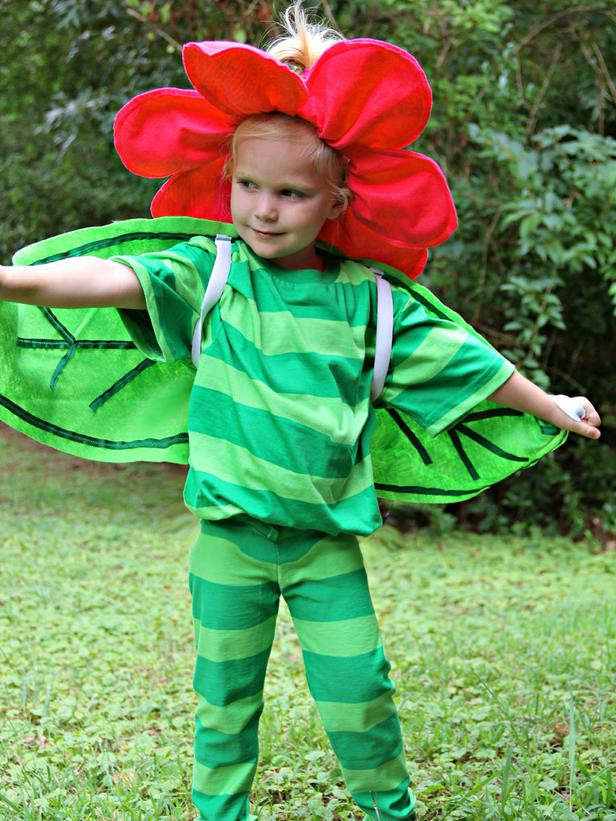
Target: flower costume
74, 376
401, 203
286, 452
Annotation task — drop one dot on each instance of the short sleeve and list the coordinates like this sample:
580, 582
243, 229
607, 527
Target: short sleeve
440, 367
173, 283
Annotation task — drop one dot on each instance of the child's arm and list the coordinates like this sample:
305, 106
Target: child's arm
82, 282
522, 394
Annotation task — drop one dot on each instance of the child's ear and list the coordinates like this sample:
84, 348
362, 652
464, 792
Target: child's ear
336, 210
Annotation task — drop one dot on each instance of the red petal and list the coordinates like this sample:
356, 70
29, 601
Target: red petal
241, 80
402, 195
369, 93
401, 205
169, 130
358, 241
201, 192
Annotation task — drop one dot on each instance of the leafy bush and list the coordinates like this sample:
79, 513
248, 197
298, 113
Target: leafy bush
523, 124
545, 294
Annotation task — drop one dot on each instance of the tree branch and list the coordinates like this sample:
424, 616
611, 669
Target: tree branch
555, 17
484, 262
532, 117
155, 29
604, 70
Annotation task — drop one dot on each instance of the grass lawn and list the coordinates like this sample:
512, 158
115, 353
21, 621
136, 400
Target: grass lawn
502, 653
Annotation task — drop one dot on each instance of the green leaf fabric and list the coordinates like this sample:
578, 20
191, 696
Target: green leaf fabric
74, 380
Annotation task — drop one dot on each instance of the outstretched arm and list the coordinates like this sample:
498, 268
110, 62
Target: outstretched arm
82, 282
522, 394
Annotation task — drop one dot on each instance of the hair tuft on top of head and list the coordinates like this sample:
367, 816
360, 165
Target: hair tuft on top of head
304, 40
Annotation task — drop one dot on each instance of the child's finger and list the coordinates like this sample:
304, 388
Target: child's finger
580, 409
586, 429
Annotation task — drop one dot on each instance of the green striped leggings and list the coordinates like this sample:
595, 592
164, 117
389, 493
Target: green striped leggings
238, 569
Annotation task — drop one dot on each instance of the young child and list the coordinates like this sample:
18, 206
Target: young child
280, 417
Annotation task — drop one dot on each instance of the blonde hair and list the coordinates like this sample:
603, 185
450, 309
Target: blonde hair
304, 40
301, 46
329, 164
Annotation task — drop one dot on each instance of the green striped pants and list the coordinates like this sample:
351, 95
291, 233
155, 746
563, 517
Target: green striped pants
238, 569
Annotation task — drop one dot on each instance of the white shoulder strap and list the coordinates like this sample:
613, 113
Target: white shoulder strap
215, 286
384, 334
384, 313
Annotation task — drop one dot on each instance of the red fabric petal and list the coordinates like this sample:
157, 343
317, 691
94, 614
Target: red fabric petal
362, 95
201, 192
401, 205
402, 195
169, 130
241, 80
357, 241
367, 93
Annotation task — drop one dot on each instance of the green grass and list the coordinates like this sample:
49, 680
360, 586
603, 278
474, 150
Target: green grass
502, 655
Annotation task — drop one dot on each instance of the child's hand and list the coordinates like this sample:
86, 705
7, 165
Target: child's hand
522, 394
589, 424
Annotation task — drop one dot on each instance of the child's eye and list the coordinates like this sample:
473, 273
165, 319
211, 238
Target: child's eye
247, 185
291, 193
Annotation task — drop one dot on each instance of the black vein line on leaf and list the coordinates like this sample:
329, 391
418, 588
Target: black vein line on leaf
453, 435
485, 443
413, 439
97, 245
121, 383
93, 441
71, 344
55, 323
418, 490
491, 413
93, 344
61, 365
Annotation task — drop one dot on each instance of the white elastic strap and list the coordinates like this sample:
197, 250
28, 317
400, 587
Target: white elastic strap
384, 334
570, 406
218, 280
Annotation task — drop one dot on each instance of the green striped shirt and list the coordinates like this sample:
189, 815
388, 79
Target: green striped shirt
280, 417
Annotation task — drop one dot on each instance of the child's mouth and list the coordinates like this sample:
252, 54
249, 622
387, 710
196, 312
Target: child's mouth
267, 233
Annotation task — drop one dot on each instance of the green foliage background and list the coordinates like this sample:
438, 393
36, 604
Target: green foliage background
523, 124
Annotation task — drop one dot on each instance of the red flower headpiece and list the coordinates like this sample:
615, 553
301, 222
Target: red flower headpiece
366, 98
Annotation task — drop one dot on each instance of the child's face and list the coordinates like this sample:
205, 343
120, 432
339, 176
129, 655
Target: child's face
279, 201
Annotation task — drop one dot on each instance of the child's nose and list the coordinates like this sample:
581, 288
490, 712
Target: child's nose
266, 208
